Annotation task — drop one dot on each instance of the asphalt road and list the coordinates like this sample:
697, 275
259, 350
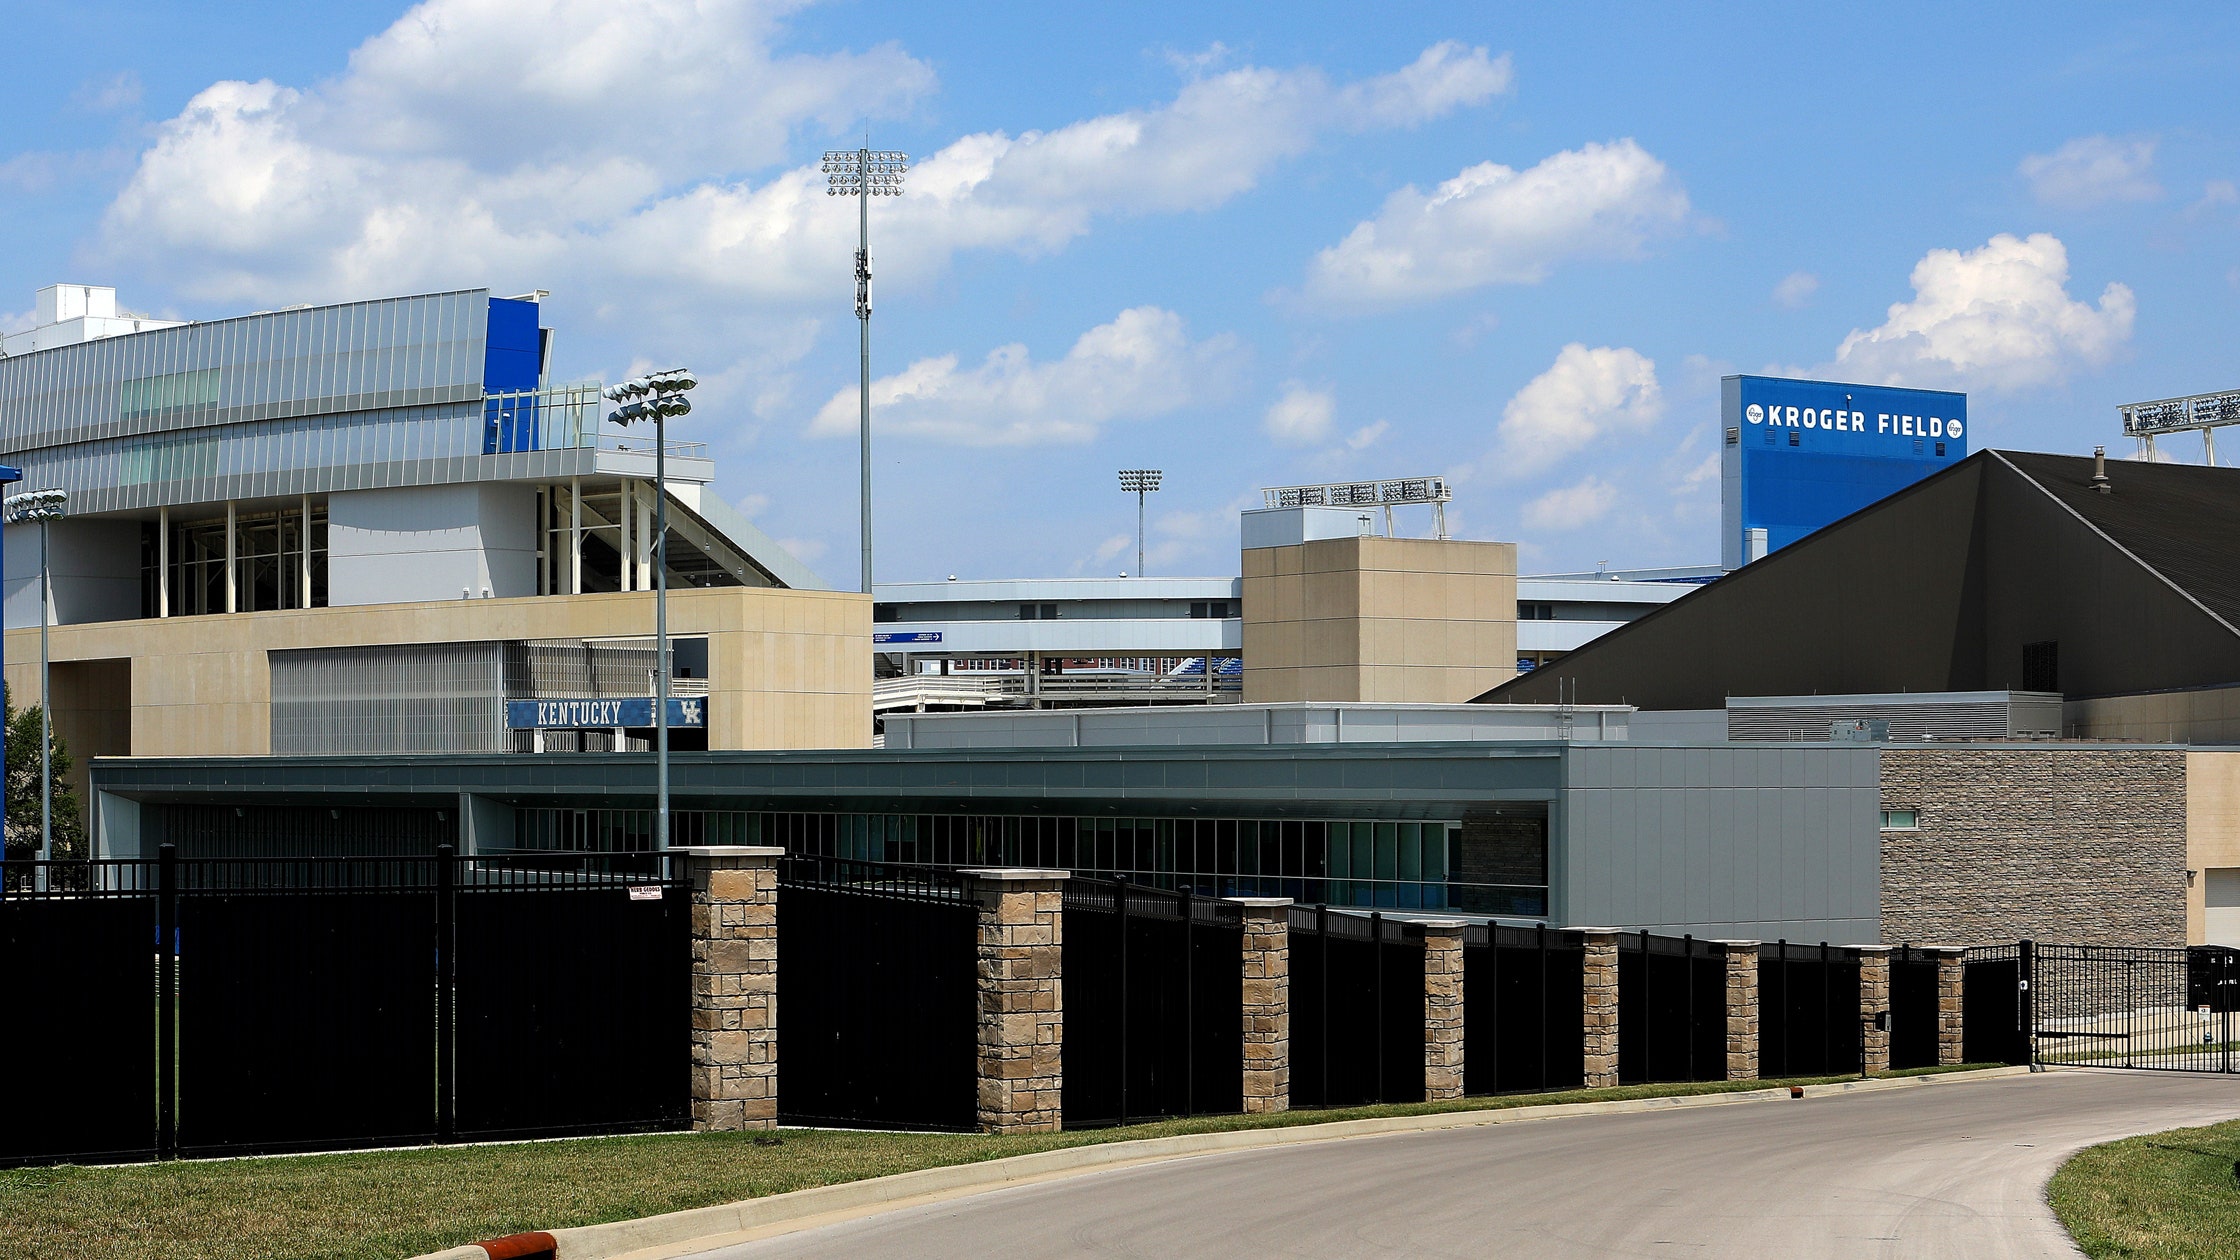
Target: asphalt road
1953, 1170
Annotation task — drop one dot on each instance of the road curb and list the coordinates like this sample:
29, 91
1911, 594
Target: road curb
694, 1229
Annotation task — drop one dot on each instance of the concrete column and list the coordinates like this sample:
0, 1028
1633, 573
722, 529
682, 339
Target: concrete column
1598, 984
1742, 1008
303, 558
645, 537
734, 986
163, 562
622, 513
1267, 1002
230, 577
1443, 1046
1951, 977
575, 535
1022, 999
1874, 1008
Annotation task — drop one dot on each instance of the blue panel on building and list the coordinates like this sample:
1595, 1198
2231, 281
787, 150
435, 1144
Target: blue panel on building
1800, 455
513, 361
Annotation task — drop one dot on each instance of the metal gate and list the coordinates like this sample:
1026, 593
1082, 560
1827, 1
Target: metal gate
2168, 1008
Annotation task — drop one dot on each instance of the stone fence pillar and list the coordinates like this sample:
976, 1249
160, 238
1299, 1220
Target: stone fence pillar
1267, 1002
1022, 1000
1874, 1008
734, 925
1598, 976
1951, 979
1443, 1046
1742, 1009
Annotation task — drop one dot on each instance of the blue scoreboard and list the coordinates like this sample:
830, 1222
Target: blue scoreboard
1798, 455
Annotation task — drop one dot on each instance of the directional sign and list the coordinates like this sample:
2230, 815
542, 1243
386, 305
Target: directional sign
906, 636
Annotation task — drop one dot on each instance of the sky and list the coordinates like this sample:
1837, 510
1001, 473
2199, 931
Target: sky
1252, 245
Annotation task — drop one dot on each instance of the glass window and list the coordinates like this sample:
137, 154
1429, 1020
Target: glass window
1901, 820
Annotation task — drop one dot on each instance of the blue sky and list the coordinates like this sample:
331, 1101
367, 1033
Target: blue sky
1250, 244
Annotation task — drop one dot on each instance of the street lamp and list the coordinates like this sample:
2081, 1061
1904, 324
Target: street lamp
864, 173
22, 509
1139, 482
656, 397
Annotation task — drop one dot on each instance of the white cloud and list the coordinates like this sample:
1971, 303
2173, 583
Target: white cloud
1367, 435
1302, 417
604, 146
1998, 317
1494, 225
1795, 290
109, 94
1141, 364
1583, 395
2093, 170
1570, 507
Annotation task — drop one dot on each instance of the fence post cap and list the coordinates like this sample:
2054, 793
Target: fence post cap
730, 850
1864, 949
1739, 944
1594, 931
1266, 903
1014, 873
1443, 925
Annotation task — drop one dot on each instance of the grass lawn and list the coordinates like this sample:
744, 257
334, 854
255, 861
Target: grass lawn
403, 1203
2165, 1196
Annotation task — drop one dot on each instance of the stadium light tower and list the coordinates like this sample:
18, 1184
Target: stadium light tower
1139, 482
865, 173
657, 397
42, 506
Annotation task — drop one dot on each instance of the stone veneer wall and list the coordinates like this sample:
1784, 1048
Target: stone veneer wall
2057, 843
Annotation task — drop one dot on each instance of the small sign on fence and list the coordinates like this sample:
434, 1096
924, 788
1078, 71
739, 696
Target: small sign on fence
645, 892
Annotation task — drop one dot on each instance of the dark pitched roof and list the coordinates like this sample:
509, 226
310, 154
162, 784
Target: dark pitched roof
2181, 520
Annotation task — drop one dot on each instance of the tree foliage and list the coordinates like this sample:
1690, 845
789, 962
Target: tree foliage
23, 787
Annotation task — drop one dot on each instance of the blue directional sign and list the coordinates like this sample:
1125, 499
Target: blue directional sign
1800, 455
685, 713
905, 636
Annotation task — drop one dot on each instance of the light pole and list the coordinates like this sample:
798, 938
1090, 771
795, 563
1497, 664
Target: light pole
657, 397
42, 506
1139, 482
865, 173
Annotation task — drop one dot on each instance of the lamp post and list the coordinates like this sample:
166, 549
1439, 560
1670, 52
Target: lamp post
657, 397
1139, 482
19, 509
865, 173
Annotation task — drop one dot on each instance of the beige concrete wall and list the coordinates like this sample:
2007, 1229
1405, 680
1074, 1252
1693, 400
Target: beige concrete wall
2207, 716
1381, 620
2212, 827
787, 669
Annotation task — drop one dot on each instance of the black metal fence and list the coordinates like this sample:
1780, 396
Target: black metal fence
1672, 1009
877, 986
233, 1006
1523, 1017
2163, 1007
1808, 1010
1994, 1004
1357, 1009
1154, 1004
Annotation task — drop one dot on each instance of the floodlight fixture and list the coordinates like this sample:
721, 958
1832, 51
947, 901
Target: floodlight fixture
41, 507
864, 173
658, 397
1139, 482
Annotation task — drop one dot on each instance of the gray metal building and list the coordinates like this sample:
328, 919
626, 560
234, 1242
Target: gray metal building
1761, 841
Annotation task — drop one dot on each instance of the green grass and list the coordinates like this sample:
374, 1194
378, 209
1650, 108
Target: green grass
2165, 1196
403, 1203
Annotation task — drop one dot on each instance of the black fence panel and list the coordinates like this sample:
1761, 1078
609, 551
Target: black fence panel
307, 1005
2166, 1007
878, 991
1523, 1014
1154, 1004
78, 1001
1913, 1009
572, 1002
1672, 1010
1808, 1010
1992, 1024
1357, 1008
